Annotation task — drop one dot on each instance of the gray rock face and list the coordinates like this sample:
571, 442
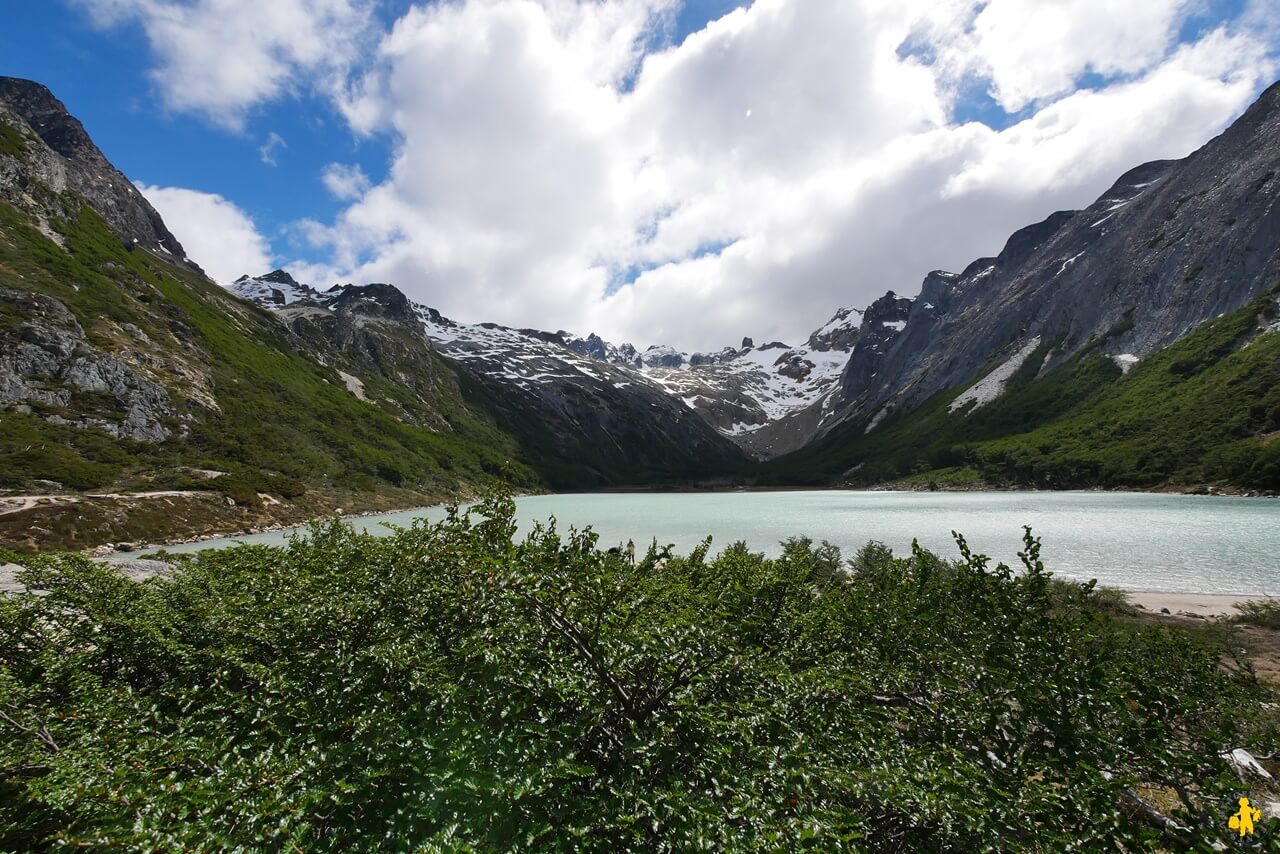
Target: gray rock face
659, 356
1169, 246
45, 360
595, 347
882, 324
725, 355
61, 156
839, 333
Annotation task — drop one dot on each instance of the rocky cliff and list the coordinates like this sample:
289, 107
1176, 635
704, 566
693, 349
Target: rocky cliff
1170, 245
47, 154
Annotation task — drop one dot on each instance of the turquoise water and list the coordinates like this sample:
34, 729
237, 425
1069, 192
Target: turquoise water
1175, 543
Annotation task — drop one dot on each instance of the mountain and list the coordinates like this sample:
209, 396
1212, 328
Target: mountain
1133, 343
1080, 303
590, 391
139, 399
579, 421
48, 162
744, 392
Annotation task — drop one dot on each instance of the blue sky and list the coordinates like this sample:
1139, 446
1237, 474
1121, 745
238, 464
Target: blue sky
102, 76
654, 170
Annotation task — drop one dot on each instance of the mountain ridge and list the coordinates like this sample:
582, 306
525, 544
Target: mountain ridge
123, 367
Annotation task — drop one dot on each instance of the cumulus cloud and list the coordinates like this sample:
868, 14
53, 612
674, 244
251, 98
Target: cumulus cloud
345, 182
1032, 50
217, 235
554, 169
558, 163
221, 58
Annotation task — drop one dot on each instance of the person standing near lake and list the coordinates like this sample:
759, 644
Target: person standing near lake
631, 551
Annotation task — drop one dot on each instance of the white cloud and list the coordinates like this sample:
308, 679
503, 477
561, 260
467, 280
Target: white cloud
216, 234
1033, 49
268, 150
220, 58
542, 154
345, 182
557, 164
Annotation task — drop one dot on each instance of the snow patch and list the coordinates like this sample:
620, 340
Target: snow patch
354, 385
1065, 264
875, 421
992, 385
1125, 361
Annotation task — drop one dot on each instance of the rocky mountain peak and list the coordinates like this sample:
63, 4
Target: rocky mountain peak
65, 159
1025, 241
662, 356
278, 277
838, 333
888, 310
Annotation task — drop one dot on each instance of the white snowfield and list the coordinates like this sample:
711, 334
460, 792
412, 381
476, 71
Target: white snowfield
992, 385
264, 293
756, 375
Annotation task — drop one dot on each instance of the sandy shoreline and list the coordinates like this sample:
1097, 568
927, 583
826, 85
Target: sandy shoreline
1201, 604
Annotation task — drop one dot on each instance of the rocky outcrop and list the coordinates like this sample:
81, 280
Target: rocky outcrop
661, 356
47, 367
1170, 245
595, 347
56, 155
372, 329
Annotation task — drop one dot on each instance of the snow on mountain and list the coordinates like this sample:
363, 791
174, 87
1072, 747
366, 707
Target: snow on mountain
739, 391
736, 391
276, 288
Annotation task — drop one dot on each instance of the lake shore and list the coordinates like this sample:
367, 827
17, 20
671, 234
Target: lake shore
1216, 490
1191, 604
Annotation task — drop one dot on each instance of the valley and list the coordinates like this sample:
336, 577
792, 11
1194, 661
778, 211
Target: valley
639, 426
1129, 345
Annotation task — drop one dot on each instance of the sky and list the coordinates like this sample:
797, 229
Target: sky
655, 171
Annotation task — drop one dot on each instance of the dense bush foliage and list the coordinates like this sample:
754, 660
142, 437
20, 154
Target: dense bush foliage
448, 688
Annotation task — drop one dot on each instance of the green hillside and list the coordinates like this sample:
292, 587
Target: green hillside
1204, 410
280, 421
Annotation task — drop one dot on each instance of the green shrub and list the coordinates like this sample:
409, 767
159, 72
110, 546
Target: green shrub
1259, 612
11, 556
446, 688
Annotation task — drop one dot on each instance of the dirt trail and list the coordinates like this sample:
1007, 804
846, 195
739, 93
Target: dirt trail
18, 503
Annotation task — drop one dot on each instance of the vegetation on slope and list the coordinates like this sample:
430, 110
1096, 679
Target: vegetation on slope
1200, 411
626, 455
446, 688
281, 419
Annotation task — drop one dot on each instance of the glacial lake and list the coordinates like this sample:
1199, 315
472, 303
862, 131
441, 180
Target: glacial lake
1171, 543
